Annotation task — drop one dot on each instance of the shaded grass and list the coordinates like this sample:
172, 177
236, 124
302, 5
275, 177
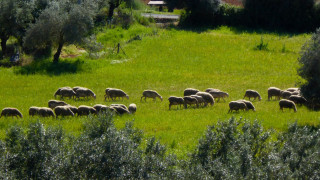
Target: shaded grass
170, 61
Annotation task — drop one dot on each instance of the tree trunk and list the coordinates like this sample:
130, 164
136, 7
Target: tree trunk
57, 54
112, 6
4, 45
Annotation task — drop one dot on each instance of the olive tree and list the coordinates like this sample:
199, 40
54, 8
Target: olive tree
62, 23
15, 15
310, 69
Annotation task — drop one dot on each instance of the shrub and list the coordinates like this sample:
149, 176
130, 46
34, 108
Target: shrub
230, 149
200, 12
309, 69
292, 15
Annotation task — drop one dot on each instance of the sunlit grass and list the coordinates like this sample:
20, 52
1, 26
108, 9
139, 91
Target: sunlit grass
169, 61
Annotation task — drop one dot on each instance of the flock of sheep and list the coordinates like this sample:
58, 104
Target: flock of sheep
287, 99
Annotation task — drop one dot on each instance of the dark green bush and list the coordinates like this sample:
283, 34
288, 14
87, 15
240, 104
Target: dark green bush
288, 15
233, 149
309, 70
200, 12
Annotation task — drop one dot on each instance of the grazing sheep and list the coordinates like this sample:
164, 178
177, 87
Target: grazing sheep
120, 110
293, 89
212, 89
11, 112
273, 91
200, 99
298, 99
208, 98
132, 108
33, 110
46, 112
236, 106
252, 94
58, 92
150, 94
286, 94
63, 111
107, 94
190, 100
100, 108
86, 110
219, 94
296, 93
114, 93
173, 100
284, 103
248, 104
67, 93
74, 109
78, 87
54, 103
121, 105
85, 92
190, 91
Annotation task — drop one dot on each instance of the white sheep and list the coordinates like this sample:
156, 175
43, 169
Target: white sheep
219, 94
274, 91
190, 91
286, 94
132, 108
14, 112
33, 110
298, 99
200, 99
284, 103
58, 92
212, 89
63, 111
208, 98
54, 103
236, 106
84, 110
85, 92
173, 100
252, 94
189, 100
150, 94
64, 92
46, 112
117, 93
248, 104
120, 110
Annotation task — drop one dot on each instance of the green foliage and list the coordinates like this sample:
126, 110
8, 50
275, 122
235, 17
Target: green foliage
62, 23
14, 18
49, 68
290, 15
309, 69
201, 12
102, 151
262, 45
231, 148
32, 155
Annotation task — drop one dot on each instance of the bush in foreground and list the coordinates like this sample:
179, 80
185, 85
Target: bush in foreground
231, 149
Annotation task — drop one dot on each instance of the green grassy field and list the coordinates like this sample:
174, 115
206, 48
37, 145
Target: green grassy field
169, 61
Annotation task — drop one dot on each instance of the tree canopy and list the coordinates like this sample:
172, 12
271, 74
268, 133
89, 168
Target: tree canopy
310, 69
63, 22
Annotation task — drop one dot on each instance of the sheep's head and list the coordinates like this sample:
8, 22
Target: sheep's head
127, 96
161, 98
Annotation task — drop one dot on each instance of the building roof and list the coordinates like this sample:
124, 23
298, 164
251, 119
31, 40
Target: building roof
156, 3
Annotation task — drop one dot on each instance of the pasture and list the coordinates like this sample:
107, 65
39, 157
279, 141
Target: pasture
169, 61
